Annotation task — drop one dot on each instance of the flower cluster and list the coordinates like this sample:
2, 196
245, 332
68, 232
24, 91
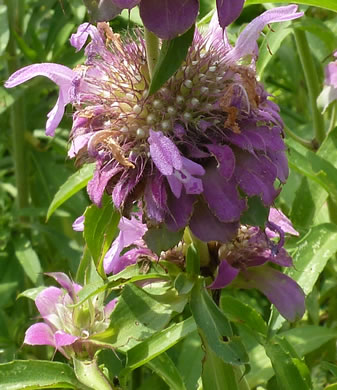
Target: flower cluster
67, 328
244, 260
193, 152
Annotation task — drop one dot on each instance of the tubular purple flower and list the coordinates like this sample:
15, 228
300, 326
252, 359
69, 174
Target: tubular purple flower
244, 260
66, 328
61, 75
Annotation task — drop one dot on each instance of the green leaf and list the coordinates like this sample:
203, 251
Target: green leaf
137, 316
242, 313
34, 374
192, 260
329, 366
256, 214
74, 183
31, 293
159, 343
215, 326
217, 375
271, 43
328, 4
29, 260
313, 252
291, 372
160, 239
172, 55
100, 227
4, 30
184, 283
308, 338
165, 368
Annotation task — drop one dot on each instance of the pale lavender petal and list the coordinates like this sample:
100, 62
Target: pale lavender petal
78, 143
246, 43
327, 96
47, 299
109, 307
39, 334
176, 185
64, 281
63, 339
78, 39
61, 75
164, 153
129, 258
169, 18
78, 224
215, 35
226, 274
228, 11
280, 289
331, 74
277, 217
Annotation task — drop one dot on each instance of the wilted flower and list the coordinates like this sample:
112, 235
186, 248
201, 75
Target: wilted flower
165, 18
329, 92
193, 152
246, 255
67, 328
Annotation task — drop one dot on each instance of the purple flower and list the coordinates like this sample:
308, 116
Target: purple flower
329, 92
196, 150
166, 18
244, 259
67, 328
128, 247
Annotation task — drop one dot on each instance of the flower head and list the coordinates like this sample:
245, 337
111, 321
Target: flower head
193, 152
246, 257
67, 328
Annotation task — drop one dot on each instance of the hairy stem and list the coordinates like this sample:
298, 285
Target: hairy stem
152, 50
311, 80
17, 111
312, 145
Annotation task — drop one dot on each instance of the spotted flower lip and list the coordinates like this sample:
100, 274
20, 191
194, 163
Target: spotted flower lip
63, 325
194, 152
244, 260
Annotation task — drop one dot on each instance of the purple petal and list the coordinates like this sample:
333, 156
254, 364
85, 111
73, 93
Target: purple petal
176, 185
280, 161
62, 339
78, 143
164, 153
179, 211
246, 43
225, 158
278, 218
280, 289
39, 334
129, 258
109, 307
228, 11
222, 196
78, 224
207, 227
102, 10
47, 299
64, 281
226, 274
61, 75
168, 18
155, 197
126, 3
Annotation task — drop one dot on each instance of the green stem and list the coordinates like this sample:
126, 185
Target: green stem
88, 373
17, 112
312, 82
312, 145
152, 50
202, 247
